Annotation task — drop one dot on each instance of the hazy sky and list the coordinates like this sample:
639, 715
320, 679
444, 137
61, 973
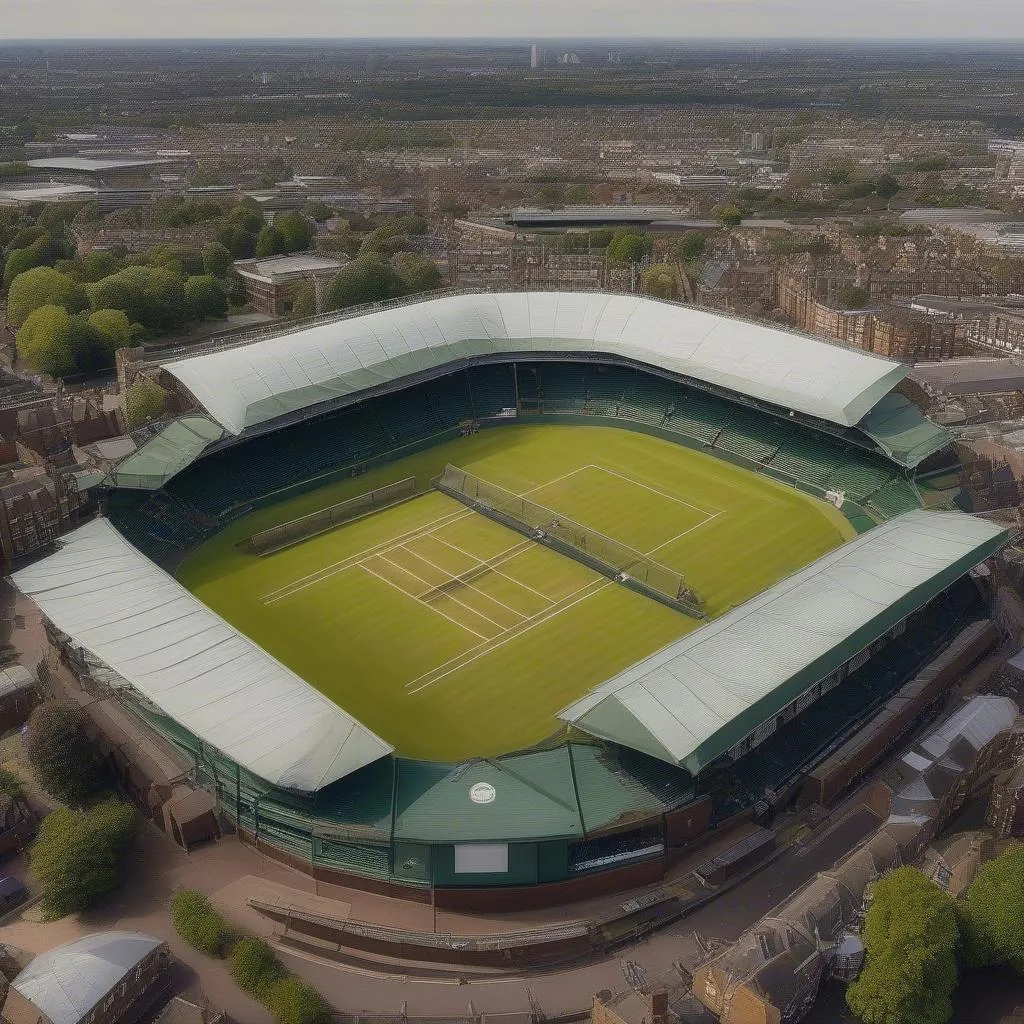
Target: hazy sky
957, 19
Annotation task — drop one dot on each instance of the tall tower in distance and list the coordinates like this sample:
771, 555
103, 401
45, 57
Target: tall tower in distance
534, 57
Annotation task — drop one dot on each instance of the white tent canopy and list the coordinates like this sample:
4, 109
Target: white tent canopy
251, 384
689, 702
188, 661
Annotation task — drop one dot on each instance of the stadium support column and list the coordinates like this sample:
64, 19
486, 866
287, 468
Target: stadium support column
515, 383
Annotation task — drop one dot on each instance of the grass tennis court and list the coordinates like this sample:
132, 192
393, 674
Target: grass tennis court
453, 636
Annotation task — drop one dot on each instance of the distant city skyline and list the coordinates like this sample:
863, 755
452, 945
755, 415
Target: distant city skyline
538, 19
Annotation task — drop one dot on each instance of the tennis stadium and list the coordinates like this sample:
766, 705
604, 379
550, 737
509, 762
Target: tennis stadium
517, 591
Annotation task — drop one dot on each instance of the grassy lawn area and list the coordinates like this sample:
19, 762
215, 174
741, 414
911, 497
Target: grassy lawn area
452, 636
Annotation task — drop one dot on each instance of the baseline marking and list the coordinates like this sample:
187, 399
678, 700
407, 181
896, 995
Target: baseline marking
653, 490
411, 597
519, 583
430, 586
469, 586
516, 631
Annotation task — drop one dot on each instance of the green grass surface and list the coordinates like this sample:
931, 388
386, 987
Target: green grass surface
482, 668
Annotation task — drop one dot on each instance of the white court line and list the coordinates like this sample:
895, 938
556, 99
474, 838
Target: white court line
469, 586
383, 547
544, 616
432, 586
541, 616
376, 549
653, 490
492, 562
679, 536
412, 597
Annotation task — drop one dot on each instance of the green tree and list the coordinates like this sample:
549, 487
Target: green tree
270, 242
79, 855
217, 259
364, 280
198, 923
910, 939
12, 786
728, 215
659, 279
144, 401
690, 246
151, 296
255, 968
205, 298
114, 328
420, 273
304, 300
412, 224
295, 231
578, 193
43, 286
992, 913
853, 297
18, 261
55, 343
887, 186
318, 211
61, 754
292, 1001
96, 265
629, 246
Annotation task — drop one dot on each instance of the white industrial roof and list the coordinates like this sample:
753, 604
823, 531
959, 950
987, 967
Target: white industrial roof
54, 192
85, 163
66, 982
694, 699
255, 383
295, 263
188, 661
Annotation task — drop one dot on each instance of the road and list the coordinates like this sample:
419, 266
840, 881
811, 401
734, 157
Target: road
572, 989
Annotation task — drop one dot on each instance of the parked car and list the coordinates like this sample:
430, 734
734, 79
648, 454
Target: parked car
12, 894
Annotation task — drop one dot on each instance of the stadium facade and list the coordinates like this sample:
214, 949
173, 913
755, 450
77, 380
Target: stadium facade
724, 722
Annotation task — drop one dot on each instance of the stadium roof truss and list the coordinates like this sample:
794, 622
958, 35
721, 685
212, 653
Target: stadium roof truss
190, 663
695, 699
252, 384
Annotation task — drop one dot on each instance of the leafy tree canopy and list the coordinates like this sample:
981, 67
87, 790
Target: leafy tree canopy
296, 232
78, 855
629, 246
420, 273
255, 968
728, 215
43, 286
144, 401
910, 939
197, 922
205, 298
217, 259
53, 342
364, 280
659, 279
992, 914
152, 296
292, 1001
114, 328
61, 754
689, 246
